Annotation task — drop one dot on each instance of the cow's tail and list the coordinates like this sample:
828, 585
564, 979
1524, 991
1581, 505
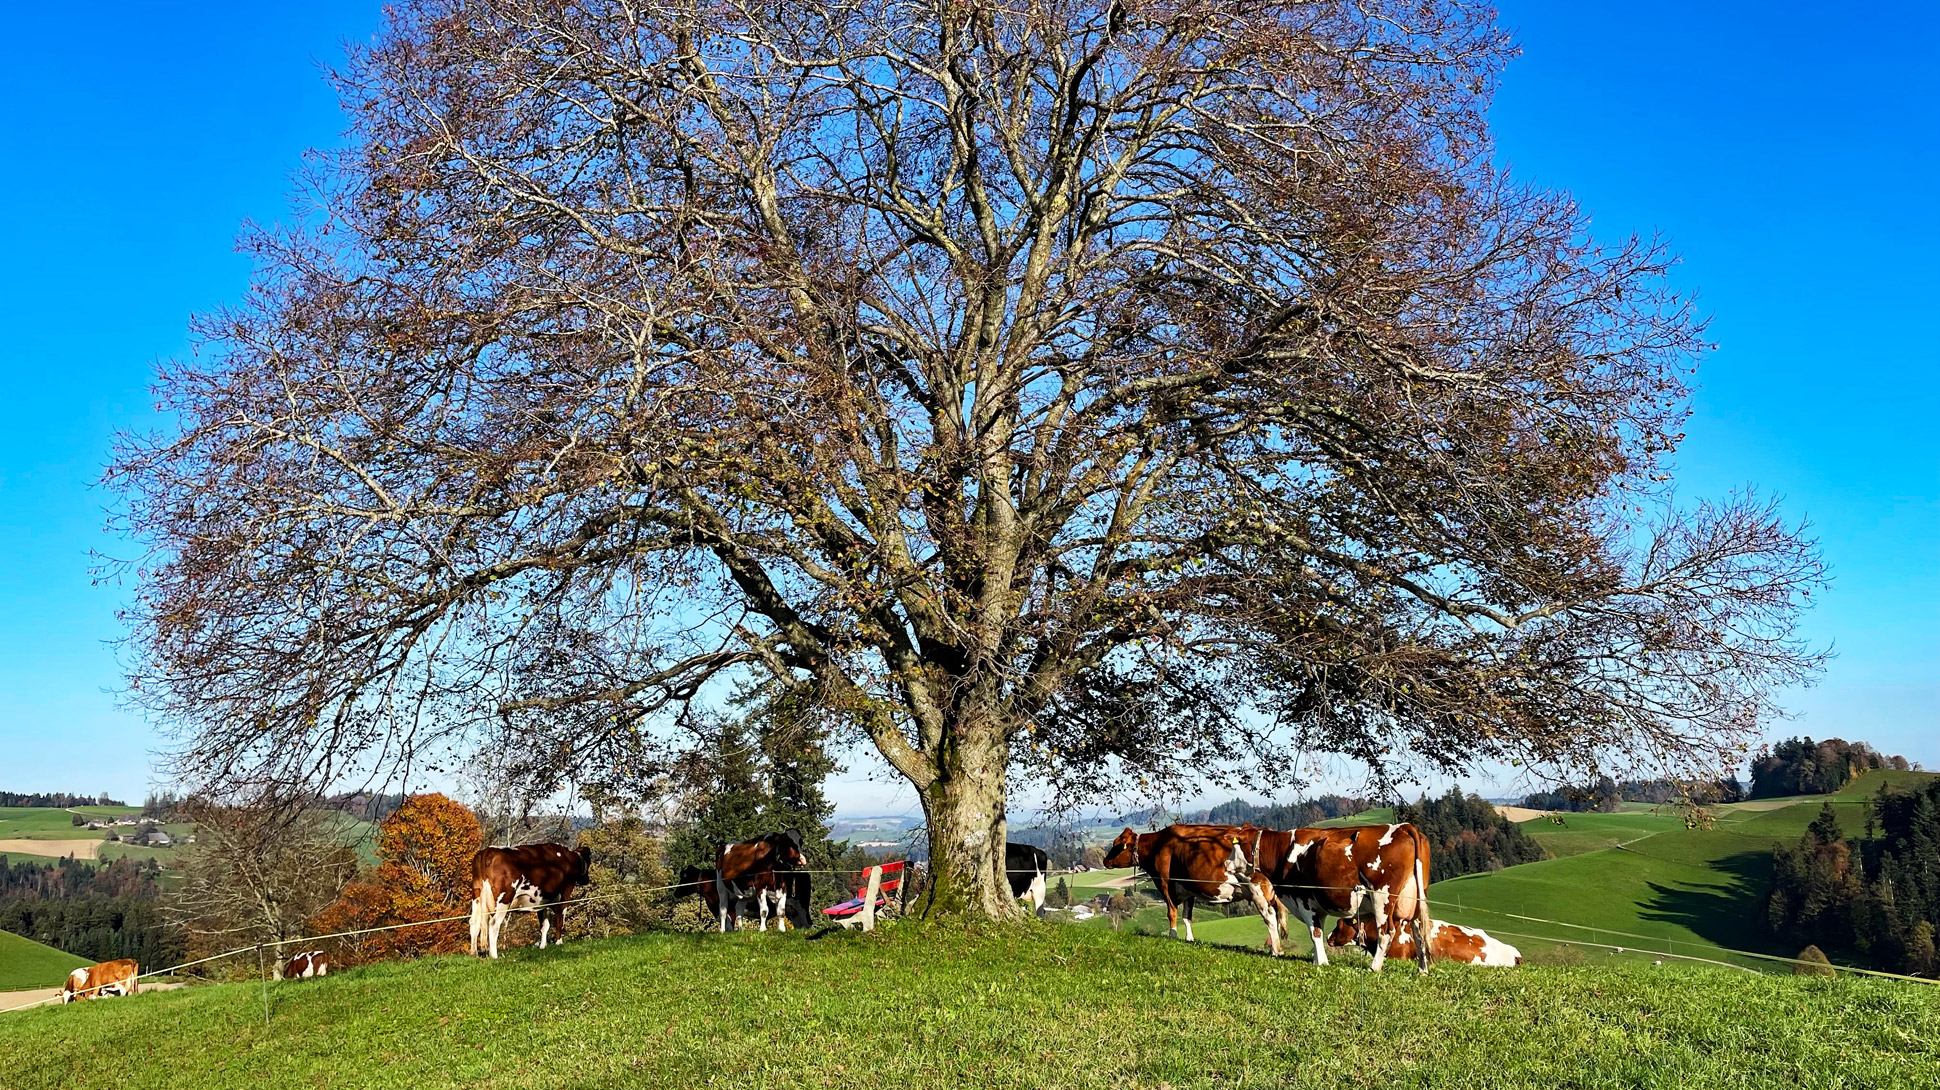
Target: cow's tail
481, 913
1421, 921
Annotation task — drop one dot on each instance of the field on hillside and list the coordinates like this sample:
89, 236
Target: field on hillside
905, 1007
53, 823
25, 963
1636, 879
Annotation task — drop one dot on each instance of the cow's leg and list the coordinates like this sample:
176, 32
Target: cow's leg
481, 897
1189, 902
781, 911
1171, 910
761, 907
545, 927
1379, 903
559, 925
499, 912
1036, 893
1305, 912
721, 899
1263, 900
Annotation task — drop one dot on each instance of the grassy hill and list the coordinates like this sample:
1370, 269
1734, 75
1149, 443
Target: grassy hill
905, 1007
25, 963
1636, 879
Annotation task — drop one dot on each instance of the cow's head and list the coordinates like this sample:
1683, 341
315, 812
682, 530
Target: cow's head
582, 866
790, 850
1123, 851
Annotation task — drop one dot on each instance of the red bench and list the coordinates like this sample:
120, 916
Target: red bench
883, 881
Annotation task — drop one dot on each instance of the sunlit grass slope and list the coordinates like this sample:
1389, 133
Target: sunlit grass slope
25, 963
1046, 1006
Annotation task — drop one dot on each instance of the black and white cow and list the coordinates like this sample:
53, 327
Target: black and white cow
1026, 865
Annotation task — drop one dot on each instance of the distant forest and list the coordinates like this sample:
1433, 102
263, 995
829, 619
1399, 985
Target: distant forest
96, 911
58, 799
1800, 766
1290, 815
1876, 900
1467, 835
1607, 795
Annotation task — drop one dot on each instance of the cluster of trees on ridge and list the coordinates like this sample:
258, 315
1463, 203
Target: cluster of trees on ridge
99, 911
58, 799
1876, 898
1467, 835
1799, 766
1607, 796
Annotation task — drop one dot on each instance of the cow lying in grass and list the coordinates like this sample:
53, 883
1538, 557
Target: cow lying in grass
1446, 942
117, 977
307, 964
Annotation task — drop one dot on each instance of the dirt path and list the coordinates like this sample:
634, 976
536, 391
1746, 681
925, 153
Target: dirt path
1108, 883
79, 849
10, 1000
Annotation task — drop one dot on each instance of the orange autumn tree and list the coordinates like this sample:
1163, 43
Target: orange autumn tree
423, 873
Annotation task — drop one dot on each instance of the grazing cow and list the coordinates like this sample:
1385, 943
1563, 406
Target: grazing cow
766, 870
1191, 863
533, 876
1446, 942
1377, 873
307, 964
108, 978
1026, 865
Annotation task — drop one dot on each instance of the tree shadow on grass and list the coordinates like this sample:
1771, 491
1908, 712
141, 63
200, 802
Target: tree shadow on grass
1728, 911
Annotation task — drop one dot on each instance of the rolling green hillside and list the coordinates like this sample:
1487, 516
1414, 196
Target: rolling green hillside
1636, 879
25, 963
53, 823
1024, 1007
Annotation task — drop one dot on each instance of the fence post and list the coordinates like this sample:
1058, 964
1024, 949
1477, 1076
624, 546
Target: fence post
264, 973
869, 899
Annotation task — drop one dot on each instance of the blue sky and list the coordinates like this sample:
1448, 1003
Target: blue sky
1787, 151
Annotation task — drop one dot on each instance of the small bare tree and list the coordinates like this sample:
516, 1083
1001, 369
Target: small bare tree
257, 874
1082, 390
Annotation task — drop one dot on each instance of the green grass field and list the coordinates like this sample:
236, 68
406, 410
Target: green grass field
1024, 1007
25, 963
1636, 879
52, 823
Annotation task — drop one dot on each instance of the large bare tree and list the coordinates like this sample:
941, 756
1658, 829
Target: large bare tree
1068, 389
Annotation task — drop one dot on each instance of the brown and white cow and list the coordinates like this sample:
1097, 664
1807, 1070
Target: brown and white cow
306, 965
1446, 942
770, 892
1372, 873
117, 977
1191, 863
532, 876
766, 870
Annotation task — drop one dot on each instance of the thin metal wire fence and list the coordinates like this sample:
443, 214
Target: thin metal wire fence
1457, 905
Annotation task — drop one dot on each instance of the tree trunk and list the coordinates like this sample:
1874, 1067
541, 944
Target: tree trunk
964, 807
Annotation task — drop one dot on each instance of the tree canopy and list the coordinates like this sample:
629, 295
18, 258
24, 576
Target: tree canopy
1089, 391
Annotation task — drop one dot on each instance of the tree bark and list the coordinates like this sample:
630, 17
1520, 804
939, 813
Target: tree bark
964, 807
